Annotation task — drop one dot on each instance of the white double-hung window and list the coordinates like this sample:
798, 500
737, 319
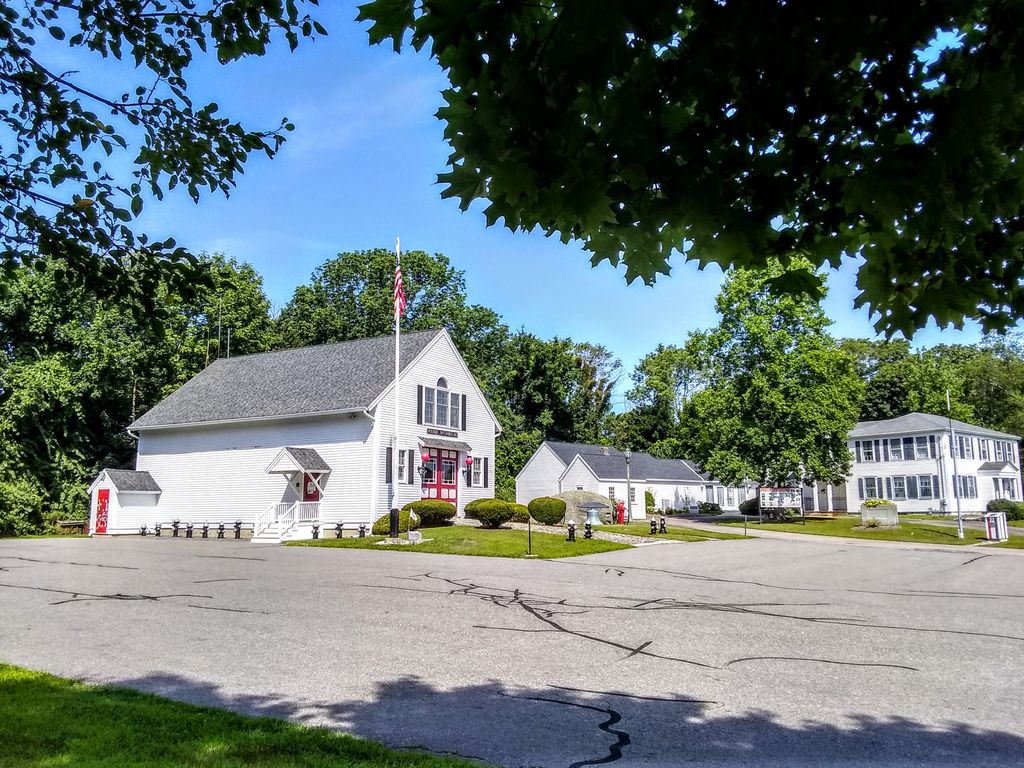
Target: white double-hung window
921, 447
896, 449
440, 407
899, 488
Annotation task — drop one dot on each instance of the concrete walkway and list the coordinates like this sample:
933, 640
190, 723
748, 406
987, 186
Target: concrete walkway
756, 530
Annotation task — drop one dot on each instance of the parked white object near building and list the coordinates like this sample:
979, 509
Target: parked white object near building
557, 467
301, 437
908, 460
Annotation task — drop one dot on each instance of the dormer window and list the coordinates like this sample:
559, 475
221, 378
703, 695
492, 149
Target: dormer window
440, 407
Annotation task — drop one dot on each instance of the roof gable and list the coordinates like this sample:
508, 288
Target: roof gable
128, 481
608, 463
328, 378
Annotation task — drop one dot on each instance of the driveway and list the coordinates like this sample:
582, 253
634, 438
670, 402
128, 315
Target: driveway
721, 653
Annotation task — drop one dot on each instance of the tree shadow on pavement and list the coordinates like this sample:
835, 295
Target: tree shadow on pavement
557, 726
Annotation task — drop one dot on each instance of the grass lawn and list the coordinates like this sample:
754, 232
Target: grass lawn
674, 532
49, 721
1014, 542
48, 536
466, 540
922, 534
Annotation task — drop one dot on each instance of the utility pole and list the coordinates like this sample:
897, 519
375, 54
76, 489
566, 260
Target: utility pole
956, 473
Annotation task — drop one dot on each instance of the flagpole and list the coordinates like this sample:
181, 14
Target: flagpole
394, 452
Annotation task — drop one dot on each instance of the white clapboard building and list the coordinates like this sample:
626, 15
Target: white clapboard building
924, 463
558, 467
301, 437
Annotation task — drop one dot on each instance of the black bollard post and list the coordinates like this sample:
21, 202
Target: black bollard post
588, 530
337, 530
188, 530
661, 528
393, 533
572, 531
206, 530
362, 530
220, 531
174, 528
156, 530
654, 525
142, 531
316, 531
238, 529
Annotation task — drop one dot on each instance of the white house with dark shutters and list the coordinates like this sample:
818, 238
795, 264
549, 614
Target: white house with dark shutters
909, 460
287, 440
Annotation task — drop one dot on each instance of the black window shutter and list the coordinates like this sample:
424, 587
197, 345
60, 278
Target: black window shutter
856, 447
888, 487
387, 465
936, 490
412, 464
911, 487
878, 451
931, 445
463, 413
860, 487
485, 472
908, 448
885, 449
419, 403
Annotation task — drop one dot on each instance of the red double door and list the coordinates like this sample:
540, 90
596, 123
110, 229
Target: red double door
441, 475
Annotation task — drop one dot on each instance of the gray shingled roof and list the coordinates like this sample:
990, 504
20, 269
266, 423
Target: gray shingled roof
292, 382
309, 460
996, 466
132, 481
921, 422
612, 466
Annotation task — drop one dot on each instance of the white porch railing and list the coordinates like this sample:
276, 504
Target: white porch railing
307, 511
286, 516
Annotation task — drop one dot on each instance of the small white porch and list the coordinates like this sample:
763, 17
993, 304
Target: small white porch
295, 515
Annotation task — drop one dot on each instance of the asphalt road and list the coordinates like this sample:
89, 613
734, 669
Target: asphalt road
720, 653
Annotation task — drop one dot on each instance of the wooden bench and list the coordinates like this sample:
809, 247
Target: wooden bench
80, 525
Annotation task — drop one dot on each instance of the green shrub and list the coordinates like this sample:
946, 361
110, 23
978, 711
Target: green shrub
432, 512
749, 506
494, 513
20, 508
872, 503
709, 508
873, 522
474, 505
649, 502
1014, 509
547, 510
520, 514
405, 517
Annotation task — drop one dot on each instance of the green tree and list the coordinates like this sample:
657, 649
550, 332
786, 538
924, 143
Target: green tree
78, 159
780, 396
881, 130
352, 297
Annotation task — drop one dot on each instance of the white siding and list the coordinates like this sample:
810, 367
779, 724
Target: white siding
575, 475
440, 359
218, 473
540, 476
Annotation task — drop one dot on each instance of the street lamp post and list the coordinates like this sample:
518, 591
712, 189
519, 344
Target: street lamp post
629, 495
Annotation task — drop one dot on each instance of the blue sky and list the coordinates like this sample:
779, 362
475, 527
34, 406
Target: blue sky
361, 168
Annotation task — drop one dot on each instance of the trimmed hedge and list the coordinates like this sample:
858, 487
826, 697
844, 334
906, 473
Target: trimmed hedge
520, 514
1014, 509
547, 510
495, 513
472, 507
383, 525
649, 502
749, 506
432, 511
709, 508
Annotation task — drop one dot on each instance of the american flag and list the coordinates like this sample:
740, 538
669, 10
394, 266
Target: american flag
399, 290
